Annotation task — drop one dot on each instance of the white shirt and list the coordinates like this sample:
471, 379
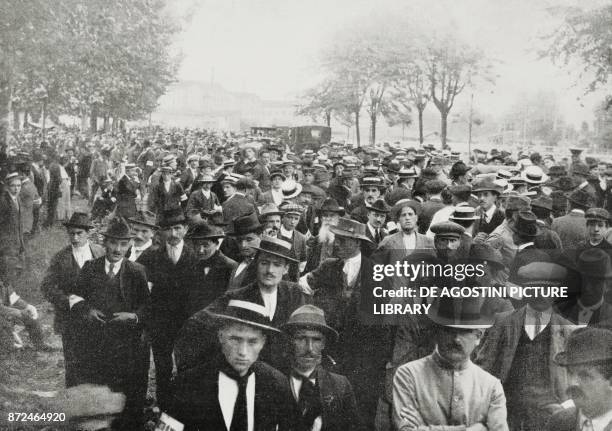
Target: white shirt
135, 252
206, 193
296, 385
174, 252
82, 254
242, 266
488, 215
409, 241
270, 300
277, 196
598, 423
530, 320
351, 268
116, 266
228, 392
585, 313
286, 233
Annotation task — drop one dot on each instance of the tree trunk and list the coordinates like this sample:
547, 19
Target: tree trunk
357, 133
443, 127
16, 124
106, 122
421, 139
26, 116
373, 129
328, 118
93, 120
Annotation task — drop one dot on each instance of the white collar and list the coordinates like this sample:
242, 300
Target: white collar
599, 422
116, 265
353, 261
525, 245
144, 246
80, 249
489, 213
286, 233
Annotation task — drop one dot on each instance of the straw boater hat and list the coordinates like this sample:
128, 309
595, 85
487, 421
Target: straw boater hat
291, 189
79, 220
463, 213
350, 229
534, 175
247, 313
145, 218
277, 247
310, 317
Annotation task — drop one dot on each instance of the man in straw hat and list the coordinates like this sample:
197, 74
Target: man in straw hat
267, 288
233, 389
61, 274
532, 335
111, 301
342, 287
446, 390
169, 273
588, 360
325, 400
212, 270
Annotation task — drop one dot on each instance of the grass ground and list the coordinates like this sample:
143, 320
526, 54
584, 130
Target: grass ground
27, 377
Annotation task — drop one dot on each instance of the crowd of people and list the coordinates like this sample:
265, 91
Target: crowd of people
247, 270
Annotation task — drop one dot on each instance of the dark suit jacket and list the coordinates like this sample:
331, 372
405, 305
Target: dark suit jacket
170, 289
198, 202
205, 288
564, 420
38, 179
55, 181
60, 279
428, 209
338, 404
300, 251
246, 276
195, 340
571, 229
161, 200
11, 226
196, 402
482, 226
126, 197
236, 206
187, 179
367, 248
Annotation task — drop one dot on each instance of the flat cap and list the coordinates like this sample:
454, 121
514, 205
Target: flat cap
447, 229
597, 214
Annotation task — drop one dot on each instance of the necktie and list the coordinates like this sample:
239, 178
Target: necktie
309, 401
111, 270
538, 323
240, 421
377, 237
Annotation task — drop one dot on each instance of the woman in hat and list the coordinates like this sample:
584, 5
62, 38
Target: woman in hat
202, 198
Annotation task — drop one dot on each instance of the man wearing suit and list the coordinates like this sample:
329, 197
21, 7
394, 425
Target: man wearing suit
432, 205
53, 189
166, 193
236, 204
201, 199
191, 173
375, 226
39, 181
60, 278
372, 188
324, 400
275, 194
588, 359
169, 272
212, 270
232, 389
397, 246
144, 229
11, 226
29, 198
127, 191
572, 226
247, 232
280, 298
289, 221
342, 287
520, 347
487, 190
110, 300
588, 306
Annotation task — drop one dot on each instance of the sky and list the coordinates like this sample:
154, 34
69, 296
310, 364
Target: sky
272, 47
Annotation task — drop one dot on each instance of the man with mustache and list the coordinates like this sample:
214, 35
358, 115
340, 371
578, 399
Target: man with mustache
325, 400
270, 218
519, 349
446, 390
588, 359
320, 246
144, 228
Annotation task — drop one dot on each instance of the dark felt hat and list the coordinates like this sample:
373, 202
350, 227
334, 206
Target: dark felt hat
245, 224
79, 220
379, 206
461, 313
204, 230
350, 229
586, 346
525, 224
172, 217
310, 317
118, 228
146, 218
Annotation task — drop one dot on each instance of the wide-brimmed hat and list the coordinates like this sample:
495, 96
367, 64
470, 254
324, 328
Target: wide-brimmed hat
350, 229
458, 169
118, 228
379, 206
534, 175
202, 230
291, 189
543, 201
487, 184
599, 214
460, 313
244, 224
269, 210
518, 203
331, 205
247, 313
580, 197
586, 346
310, 317
172, 217
79, 220
594, 263
145, 218
277, 247
525, 223
278, 173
